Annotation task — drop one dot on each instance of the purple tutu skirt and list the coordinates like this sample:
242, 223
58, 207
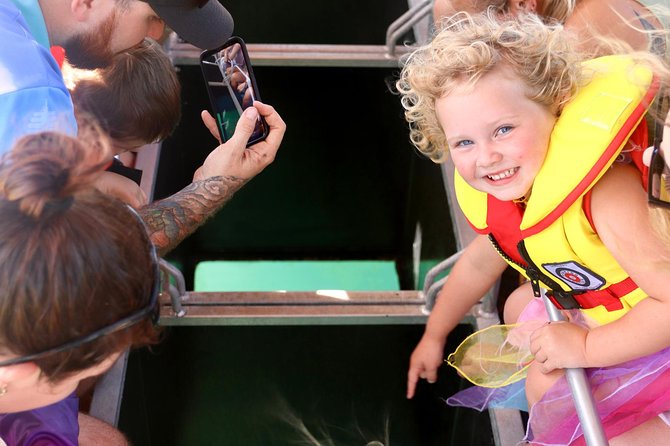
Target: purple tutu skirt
626, 396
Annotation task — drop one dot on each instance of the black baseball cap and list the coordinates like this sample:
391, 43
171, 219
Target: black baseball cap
203, 23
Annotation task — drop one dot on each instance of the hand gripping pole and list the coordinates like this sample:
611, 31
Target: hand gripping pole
581, 392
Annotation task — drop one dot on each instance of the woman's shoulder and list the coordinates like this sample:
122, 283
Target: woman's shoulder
627, 20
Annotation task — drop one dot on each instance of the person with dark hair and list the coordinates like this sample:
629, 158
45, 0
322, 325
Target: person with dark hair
136, 101
33, 96
80, 283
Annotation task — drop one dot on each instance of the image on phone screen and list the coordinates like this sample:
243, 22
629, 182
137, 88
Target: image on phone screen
231, 87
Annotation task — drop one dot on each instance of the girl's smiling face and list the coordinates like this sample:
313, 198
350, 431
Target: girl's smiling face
497, 136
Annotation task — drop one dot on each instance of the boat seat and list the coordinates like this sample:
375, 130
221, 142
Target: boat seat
268, 275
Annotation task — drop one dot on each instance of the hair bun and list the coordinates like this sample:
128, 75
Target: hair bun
45, 171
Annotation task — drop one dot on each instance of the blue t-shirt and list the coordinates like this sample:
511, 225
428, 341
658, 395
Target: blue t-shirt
53, 425
33, 96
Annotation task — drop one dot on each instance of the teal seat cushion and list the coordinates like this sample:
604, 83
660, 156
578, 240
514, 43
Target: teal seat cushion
352, 275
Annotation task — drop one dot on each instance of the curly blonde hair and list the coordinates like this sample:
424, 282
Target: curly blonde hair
470, 46
558, 10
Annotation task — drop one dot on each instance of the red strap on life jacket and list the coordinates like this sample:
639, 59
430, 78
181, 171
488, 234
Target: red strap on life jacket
609, 297
617, 291
640, 140
504, 221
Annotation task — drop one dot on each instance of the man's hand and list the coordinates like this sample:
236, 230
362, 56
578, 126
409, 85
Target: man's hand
224, 172
233, 159
210, 123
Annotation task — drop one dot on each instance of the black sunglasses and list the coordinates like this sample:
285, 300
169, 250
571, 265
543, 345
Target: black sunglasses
658, 194
152, 309
658, 189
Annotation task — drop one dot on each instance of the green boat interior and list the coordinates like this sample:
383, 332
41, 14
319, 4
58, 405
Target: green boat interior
303, 298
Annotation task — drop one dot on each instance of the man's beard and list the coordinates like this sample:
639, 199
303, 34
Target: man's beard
91, 51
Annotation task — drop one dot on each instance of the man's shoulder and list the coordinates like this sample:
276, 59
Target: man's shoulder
11, 20
26, 67
23, 59
33, 96
31, 110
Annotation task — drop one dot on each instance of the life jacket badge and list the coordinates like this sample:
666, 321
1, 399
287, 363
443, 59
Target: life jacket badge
575, 276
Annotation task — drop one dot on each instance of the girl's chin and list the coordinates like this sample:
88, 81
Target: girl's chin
506, 195
502, 193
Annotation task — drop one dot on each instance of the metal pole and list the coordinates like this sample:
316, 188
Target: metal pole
581, 392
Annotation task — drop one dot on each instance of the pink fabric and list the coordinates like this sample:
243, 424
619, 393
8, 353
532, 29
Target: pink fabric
626, 395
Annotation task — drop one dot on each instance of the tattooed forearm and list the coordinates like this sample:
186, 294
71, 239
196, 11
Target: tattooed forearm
172, 219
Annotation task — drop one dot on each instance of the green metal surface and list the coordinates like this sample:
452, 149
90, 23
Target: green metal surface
295, 275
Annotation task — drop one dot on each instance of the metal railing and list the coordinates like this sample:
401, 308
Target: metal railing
286, 55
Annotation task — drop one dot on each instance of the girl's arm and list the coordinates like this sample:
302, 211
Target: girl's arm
471, 277
621, 216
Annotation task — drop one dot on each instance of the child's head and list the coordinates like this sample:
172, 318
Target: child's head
136, 99
497, 136
470, 47
75, 261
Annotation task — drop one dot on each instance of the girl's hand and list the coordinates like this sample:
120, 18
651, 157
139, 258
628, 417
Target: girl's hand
427, 357
559, 345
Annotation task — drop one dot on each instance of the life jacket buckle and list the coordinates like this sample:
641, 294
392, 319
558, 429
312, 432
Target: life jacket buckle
563, 300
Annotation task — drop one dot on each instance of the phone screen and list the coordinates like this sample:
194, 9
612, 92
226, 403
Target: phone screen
231, 87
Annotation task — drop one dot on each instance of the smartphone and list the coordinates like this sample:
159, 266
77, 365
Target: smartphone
231, 87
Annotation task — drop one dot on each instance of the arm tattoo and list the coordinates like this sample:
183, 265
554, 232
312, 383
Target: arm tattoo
171, 220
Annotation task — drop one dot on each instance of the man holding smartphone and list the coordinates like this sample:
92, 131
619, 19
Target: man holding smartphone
33, 96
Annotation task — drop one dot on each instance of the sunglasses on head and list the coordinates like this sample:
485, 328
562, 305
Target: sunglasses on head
162, 272
150, 310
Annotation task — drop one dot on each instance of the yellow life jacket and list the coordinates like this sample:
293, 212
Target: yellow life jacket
552, 240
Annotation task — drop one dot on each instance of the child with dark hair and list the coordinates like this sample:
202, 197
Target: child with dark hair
150, 114
136, 101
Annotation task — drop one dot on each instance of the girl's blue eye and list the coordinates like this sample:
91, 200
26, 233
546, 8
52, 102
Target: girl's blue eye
463, 143
504, 129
